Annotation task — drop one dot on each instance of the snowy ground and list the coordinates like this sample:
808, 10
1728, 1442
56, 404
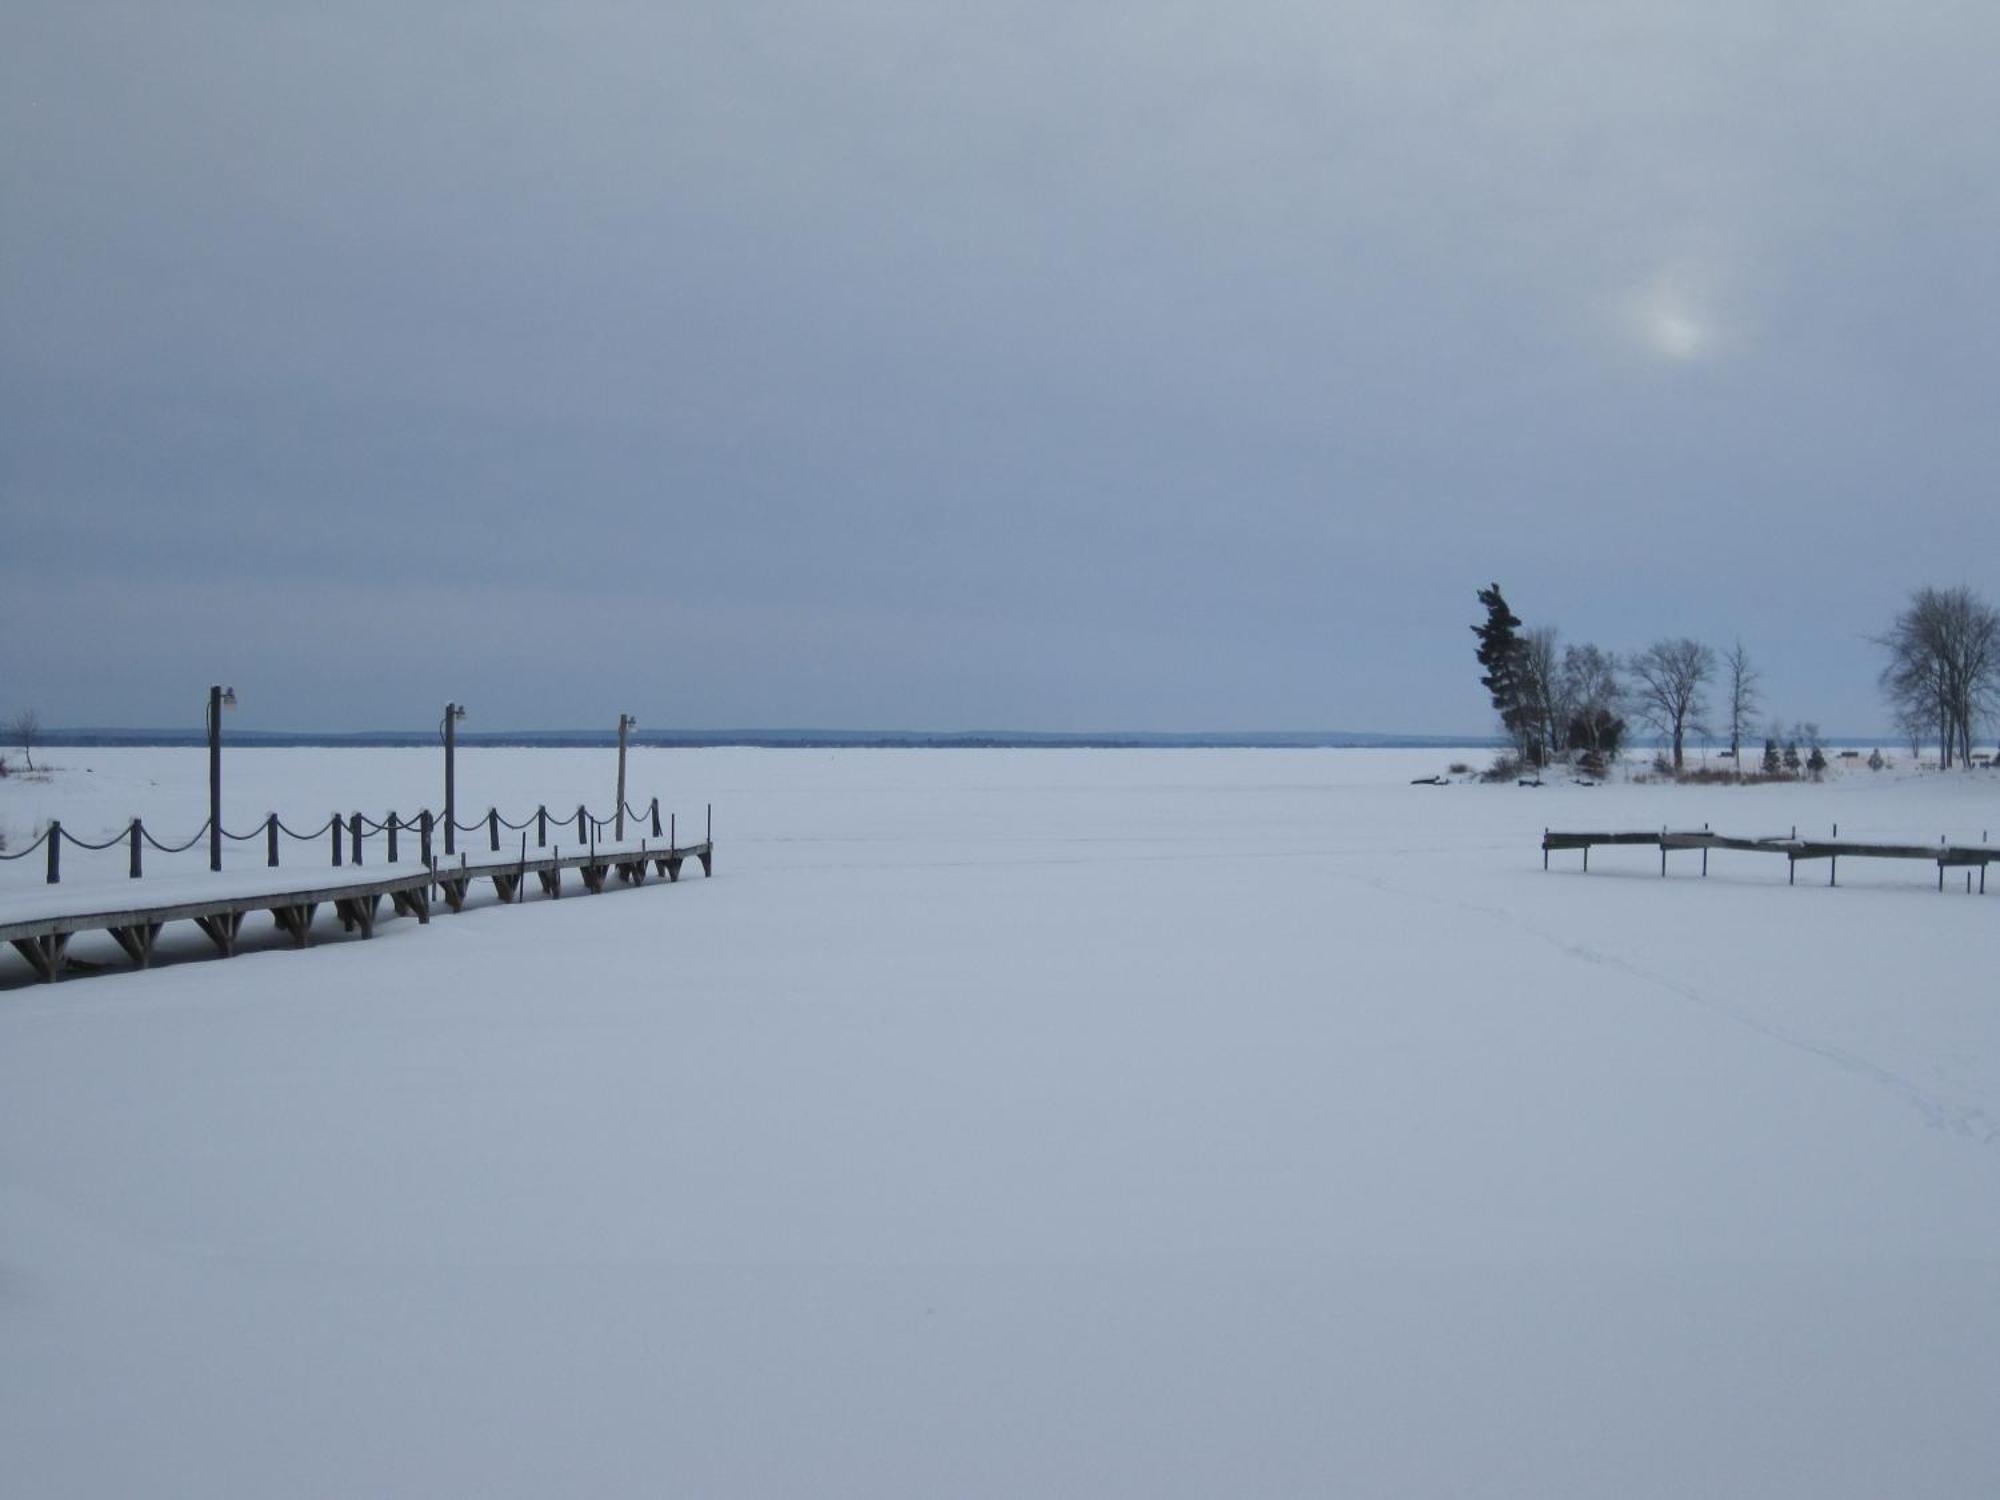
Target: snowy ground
1024, 1123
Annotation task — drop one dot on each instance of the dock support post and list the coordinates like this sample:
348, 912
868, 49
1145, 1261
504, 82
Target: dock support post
542, 826
45, 954
493, 828
392, 837
135, 849
354, 838
582, 825
1832, 868
335, 821
656, 817
55, 851
271, 840
424, 838
1791, 869
137, 941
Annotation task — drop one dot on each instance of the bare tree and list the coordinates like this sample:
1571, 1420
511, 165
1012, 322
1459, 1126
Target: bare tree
1590, 693
25, 730
1743, 680
1944, 666
1667, 680
1541, 691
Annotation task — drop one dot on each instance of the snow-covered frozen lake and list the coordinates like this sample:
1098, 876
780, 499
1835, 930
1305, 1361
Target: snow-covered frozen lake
1015, 1123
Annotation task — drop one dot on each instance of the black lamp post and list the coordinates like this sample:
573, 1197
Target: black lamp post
219, 698
626, 724
453, 712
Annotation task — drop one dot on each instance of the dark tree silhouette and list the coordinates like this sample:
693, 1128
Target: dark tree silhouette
1667, 678
1501, 654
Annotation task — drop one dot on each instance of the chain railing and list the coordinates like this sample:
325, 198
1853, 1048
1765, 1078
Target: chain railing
347, 834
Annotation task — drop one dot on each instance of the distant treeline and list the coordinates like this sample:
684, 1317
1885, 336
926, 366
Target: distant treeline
771, 739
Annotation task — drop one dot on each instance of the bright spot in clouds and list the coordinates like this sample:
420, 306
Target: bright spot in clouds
1672, 316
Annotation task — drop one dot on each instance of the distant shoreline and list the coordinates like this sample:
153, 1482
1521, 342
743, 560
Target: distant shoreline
769, 739
814, 739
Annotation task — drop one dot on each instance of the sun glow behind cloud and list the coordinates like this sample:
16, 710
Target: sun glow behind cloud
1673, 317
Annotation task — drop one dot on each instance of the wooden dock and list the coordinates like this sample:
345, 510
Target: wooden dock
1795, 849
41, 923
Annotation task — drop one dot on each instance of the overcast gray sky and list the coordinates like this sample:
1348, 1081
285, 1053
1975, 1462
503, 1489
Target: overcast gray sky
1044, 365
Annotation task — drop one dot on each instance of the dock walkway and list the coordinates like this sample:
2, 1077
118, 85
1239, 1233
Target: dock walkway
41, 922
1795, 849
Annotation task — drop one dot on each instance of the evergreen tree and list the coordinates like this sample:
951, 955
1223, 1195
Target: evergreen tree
1772, 765
1500, 653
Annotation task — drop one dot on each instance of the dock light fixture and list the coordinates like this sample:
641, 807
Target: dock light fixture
453, 714
626, 724
219, 698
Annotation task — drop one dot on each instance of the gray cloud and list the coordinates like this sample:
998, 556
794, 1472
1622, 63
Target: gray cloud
1035, 365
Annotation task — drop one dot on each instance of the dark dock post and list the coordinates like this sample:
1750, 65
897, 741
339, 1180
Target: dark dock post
334, 822
453, 712
493, 828
625, 723
354, 837
542, 826
392, 825
216, 700
55, 851
656, 817
582, 825
135, 848
424, 837
271, 841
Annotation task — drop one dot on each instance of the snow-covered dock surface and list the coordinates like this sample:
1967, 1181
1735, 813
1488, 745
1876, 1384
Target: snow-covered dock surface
87, 899
1093, 1123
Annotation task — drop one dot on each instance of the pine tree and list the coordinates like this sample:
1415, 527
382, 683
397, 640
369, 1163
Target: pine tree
1500, 649
1772, 765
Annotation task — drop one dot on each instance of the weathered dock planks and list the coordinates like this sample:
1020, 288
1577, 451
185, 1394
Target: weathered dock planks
40, 924
1795, 849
